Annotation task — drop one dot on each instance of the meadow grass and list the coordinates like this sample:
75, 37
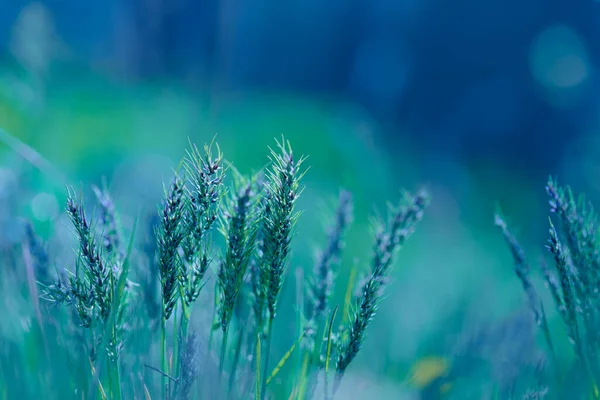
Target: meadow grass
183, 304
123, 327
572, 276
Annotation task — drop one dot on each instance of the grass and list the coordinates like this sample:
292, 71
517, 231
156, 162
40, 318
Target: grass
111, 295
544, 346
573, 284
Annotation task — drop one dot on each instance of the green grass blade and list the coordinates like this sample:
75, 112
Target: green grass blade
100, 388
284, 359
33, 157
329, 332
258, 364
146, 391
348, 294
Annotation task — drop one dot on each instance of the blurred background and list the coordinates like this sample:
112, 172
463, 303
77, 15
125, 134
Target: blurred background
481, 101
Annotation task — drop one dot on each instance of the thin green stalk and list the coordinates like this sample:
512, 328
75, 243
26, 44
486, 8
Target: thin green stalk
300, 308
114, 363
110, 378
309, 359
174, 360
117, 379
179, 341
223, 351
163, 355
303, 374
266, 357
30, 155
236, 358
185, 316
257, 392
184, 326
284, 359
212, 318
114, 369
183, 331
318, 347
328, 396
549, 342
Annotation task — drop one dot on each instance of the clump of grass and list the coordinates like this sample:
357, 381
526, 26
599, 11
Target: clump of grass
257, 219
183, 243
97, 290
578, 268
573, 285
321, 285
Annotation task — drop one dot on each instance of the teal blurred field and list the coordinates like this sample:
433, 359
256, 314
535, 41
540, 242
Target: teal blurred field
472, 306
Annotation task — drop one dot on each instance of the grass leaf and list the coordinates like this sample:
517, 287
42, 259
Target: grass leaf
284, 359
329, 332
258, 364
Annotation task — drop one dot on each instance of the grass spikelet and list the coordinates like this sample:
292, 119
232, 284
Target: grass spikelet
258, 275
388, 239
206, 173
321, 284
282, 190
239, 229
169, 236
98, 273
111, 237
565, 274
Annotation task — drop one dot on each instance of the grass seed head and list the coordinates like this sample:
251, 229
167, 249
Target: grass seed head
321, 285
239, 229
388, 239
282, 189
96, 270
206, 173
169, 235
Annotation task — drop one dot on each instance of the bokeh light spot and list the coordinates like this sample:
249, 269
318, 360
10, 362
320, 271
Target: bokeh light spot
559, 58
44, 206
